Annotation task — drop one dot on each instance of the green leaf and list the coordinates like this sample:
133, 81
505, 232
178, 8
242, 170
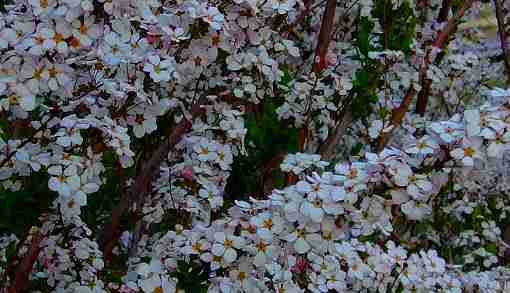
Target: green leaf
365, 27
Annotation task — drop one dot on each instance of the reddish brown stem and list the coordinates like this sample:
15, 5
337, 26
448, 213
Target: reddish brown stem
111, 232
327, 149
440, 43
320, 61
397, 116
328, 18
141, 187
444, 10
502, 36
24, 268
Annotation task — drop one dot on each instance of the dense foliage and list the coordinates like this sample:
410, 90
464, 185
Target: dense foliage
254, 146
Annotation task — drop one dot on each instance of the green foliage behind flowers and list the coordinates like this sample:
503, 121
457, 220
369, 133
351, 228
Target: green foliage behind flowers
267, 138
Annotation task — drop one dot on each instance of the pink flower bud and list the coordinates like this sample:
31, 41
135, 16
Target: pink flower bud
187, 173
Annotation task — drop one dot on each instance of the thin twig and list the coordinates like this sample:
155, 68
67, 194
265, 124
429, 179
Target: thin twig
328, 148
319, 63
444, 10
397, 116
23, 270
440, 43
502, 36
387, 22
150, 168
328, 18
25, 142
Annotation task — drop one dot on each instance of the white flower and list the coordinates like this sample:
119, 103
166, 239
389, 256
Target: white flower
212, 194
7, 37
263, 252
197, 245
80, 195
317, 208
31, 154
299, 162
57, 76
351, 174
159, 70
426, 145
417, 185
472, 122
35, 44
225, 157
241, 277
56, 38
36, 77
267, 225
214, 18
305, 237
225, 245
23, 97
69, 134
282, 6
433, 263
114, 48
288, 45
206, 150
289, 200
42, 7
416, 210
85, 32
469, 151
330, 233
65, 180
499, 92
149, 285
314, 188
144, 123
499, 145
448, 131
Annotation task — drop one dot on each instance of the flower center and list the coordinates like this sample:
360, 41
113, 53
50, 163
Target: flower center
242, 276
327, 235
13, 100
353, 173
58, 37
196, 247
317, 203
39, 40
262, 246
469, 152
38, 73
227, 243
52, 72
216, 39
84, 29
71, 203
268, 224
